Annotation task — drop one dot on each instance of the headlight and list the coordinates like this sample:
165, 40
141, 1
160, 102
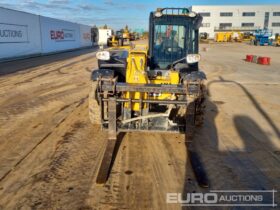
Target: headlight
193, 58
103, 55
192, 14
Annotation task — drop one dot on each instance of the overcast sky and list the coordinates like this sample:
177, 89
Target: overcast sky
114, 13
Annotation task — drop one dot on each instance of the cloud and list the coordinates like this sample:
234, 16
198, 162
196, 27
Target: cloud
91, 7
56, 5
34, 5
105, 12
59, 1
10, 6
110, 3
129, 5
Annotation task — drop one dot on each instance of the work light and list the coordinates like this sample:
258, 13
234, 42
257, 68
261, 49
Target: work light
103, 55
192, 14
193, 58
158, 13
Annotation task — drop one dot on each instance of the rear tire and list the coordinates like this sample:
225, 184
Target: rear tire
94, 108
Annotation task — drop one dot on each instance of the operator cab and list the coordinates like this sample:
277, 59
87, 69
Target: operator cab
119, 34
173, 36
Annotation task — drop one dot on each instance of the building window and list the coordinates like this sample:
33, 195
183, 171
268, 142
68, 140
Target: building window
225, 25
226, 14
276, 13
248, 24
206, 25
205, 14
275, 24
266, 20
248, 14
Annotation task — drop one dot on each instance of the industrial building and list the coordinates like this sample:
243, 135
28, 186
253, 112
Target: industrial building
238, 17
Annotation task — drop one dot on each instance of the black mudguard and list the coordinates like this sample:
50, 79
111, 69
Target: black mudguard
104, 73
194, 76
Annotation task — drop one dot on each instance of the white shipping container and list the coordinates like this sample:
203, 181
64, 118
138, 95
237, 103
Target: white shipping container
19, 34
59, 35
85, 36
103, 35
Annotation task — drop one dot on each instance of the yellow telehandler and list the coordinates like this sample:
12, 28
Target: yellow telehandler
151, 89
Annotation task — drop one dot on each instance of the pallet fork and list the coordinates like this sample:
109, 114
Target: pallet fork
108, 159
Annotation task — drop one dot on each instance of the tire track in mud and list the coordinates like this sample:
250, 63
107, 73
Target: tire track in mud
70, 171
70, 162
54, 70
79, 103
217, 69
36, 72
37, 103
112, 194
136, 180
73, 153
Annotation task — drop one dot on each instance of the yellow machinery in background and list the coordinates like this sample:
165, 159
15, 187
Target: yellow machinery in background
233, 36
113, 41
219, 37
126, 33
277, 39
203, 37
223, 37
119, 38
236, 36
247, 36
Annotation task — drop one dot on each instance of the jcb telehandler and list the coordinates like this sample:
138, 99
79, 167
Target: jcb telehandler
155, 89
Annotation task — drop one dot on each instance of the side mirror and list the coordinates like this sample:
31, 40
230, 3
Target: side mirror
198, 22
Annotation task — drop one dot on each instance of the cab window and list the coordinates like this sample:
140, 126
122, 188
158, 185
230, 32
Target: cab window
169, 44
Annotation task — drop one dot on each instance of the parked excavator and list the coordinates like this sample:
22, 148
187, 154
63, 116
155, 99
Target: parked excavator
151, 89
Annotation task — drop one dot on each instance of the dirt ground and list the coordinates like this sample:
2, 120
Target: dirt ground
50, 152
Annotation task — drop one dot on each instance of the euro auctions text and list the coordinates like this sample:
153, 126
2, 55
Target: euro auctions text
224, 198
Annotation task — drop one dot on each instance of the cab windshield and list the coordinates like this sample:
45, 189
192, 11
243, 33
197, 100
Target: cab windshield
169, 44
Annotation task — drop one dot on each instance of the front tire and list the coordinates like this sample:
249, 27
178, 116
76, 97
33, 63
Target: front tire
94, 108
